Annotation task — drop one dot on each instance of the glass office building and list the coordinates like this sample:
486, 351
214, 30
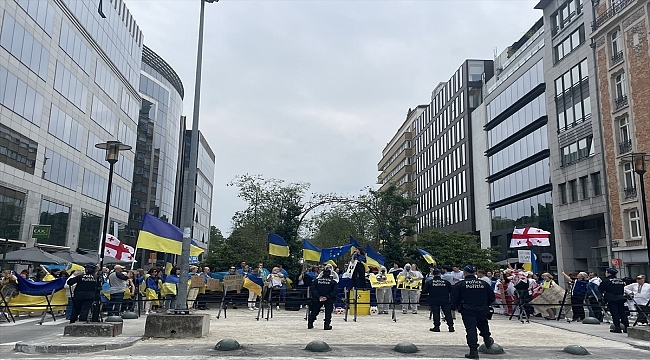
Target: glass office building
68, 80
443, 150
156, 175
519, 175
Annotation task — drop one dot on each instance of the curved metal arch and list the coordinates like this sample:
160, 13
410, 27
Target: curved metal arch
338, 201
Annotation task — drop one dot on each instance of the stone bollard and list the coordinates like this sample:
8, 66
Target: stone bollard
317, 346
575, 350
406, 348
591, 321
129, 315
227, 345
495, 349
113, 318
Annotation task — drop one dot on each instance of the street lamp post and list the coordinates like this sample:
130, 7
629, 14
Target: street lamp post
113, 149
187, 218
639, 159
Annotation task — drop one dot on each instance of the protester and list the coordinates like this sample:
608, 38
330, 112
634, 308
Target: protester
640, 294
8, 285
579, 282
439, 291
358, 276
117, 281
193, 292
457, 275
384, 294
593, 296
275, 281
613, 290
170, 288
69, 293
551, 293
410, 296
128, 303
472, 298
152, 286
480, 274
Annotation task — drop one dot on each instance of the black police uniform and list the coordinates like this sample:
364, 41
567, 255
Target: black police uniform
83, 297
439, 291
327, 287
472, 298
613, 292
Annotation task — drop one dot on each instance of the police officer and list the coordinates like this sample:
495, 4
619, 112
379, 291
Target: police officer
472, 298
84, 293
614, 293
439, 291
323, 293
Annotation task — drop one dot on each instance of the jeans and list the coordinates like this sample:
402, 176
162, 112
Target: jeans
115, 303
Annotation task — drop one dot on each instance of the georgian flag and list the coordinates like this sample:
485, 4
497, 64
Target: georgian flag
530, 236
117, 249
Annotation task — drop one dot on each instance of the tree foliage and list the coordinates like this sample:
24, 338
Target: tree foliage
451, 249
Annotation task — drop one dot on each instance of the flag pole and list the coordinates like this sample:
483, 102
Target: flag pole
135, 252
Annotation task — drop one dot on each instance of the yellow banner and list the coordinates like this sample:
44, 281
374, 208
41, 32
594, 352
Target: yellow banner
407, 283
382, 281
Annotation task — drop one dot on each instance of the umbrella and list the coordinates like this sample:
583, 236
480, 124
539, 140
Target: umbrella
33, 255
73, 257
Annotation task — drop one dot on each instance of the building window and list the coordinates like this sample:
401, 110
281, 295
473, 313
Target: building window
578, 151
625, 142
617, 49
563, 197
57, 216
89, 231
630, 184
595, 180
573, 189
17, 150
12, 203
565, 15
572, 97
569, 44
635, 224
620, 91
584, 187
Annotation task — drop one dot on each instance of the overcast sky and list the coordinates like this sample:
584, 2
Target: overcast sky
311, 91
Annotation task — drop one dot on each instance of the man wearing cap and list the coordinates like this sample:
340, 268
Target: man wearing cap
84, 293
439, 291
472, 297
613, 290
640, 294
117, 281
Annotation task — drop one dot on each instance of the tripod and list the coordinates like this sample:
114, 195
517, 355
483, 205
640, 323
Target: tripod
521, 306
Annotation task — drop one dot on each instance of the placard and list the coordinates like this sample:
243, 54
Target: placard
213, 285
382, 281
524, 256
408, 283
233, 281
197, 281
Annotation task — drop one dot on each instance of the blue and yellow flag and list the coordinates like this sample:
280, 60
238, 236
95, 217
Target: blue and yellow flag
254, 284
374, 258
277, 246
159, 235
310, 252
428, 257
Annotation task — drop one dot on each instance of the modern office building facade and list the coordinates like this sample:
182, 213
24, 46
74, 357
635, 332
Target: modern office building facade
443, 150
574, 137
517, 143
202, 198
396, 166
156, 176
620, 38
68, 80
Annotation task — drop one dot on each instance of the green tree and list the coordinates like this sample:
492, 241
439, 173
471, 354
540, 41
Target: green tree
220, 253
451, 249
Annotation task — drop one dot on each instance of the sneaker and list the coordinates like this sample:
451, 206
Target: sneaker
435, 329
251, 309
277, 307
415, 311
146, 313
404, 311
234, 307
488, 342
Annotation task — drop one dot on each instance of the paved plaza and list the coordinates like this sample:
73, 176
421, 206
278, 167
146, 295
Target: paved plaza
370, 337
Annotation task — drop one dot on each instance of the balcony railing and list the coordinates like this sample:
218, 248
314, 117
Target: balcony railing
617, 7
630, 193
625, 146
617, 58
620, 101
633, 242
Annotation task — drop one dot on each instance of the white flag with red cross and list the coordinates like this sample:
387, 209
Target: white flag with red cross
530, 236
117, 249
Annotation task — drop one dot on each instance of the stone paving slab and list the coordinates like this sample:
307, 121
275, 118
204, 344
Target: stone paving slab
72, 345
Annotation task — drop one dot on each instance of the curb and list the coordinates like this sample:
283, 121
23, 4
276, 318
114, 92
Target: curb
75, 345
639, 344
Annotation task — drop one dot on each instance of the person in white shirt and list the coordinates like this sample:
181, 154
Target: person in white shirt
457, 275
640, 294
480, 274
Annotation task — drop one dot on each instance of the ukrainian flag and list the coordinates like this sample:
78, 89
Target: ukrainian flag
254, 284
374, 258
159, 235
277, 246
428, 257
310, 252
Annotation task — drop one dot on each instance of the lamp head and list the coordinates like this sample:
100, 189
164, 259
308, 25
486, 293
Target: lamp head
113, 149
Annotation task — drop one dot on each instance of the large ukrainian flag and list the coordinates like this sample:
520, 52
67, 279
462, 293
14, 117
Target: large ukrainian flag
374, 258
310, 252
277, 246
428, 257
254, 284
159, 235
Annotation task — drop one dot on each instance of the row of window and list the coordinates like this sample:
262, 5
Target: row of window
67, 84
565, 14
24, 47
533, 209
11, 212
440, 123
60, 170
445, 94
17, 150
95, 186
75, 47
569, 191
20, 98
526, 82
570, 43
204, 184
126, 135
577, 151
447, 215
106, 81
40, 11
129, 105
525, 179
439, 148
572, 97
524, 148
523, 117
57, 216
102, 115
443, 191
65, 128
